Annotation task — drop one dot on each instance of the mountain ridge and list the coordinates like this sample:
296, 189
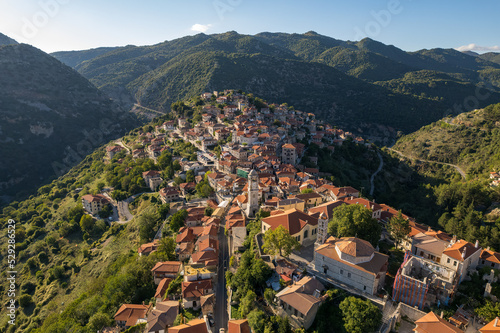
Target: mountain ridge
49, 115
412, 82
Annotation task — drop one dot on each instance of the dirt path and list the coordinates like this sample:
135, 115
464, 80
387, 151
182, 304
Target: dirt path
462, 173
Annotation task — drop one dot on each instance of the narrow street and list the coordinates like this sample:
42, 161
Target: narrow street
221, 313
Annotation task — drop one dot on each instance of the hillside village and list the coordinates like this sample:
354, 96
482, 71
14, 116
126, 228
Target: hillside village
248, 176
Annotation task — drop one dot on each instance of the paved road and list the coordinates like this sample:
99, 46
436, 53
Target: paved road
145, 108
121, 143
221, 314
124, 212
462, 173
380, 166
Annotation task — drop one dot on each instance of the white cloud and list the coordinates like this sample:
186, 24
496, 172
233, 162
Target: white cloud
200, 27
475, 47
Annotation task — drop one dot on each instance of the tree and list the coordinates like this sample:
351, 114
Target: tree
257, 320
269, 295
247, 303
208, 211
176, 165
100, 186
98, 321
190, 176
163, 210
167, 248
307, 190
489, 311
177, 220
106, 211
399, 228
25, 301
354, 221
279, 241
86, 223
147, 223
359, 315
178, 180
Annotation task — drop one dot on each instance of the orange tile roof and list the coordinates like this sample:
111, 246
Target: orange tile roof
196, 289
364, 202
238, 326
431, 323
455, 251
205, 257
162, 287
377, 264
490, 256
355, 247
194, 326
492, 327
326, 208
293, 220
131, 313
172, 267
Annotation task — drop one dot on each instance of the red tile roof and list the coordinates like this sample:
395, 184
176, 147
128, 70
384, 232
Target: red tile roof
431, 323
490, 256
194, 326
293, 220
162, 287
131, 313
172, 267
196, 289
456, 250
238, 326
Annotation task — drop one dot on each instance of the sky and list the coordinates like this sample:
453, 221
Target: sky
63, 25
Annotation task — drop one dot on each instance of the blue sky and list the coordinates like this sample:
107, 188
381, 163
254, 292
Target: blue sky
54, 25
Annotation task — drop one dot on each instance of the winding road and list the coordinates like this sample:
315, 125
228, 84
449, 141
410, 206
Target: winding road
462, 173
380, 166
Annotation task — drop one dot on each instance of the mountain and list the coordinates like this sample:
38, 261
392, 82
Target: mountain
491, 56
73, 58
469, 140
366, 86
5, 40
471, 53
50, 119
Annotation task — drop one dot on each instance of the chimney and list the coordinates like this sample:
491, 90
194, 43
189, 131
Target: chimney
477, 244
463, 253
496, 322
442, 313
429, 229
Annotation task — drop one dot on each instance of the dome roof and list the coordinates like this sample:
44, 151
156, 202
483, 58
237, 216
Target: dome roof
355, 247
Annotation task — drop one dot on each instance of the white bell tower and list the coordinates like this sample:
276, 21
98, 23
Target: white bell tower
253, 193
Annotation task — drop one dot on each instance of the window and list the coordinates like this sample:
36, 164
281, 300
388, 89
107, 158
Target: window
483, 262
455, 263
306, 234
448, 261
348, 275
341, 272
364, 287
492, 264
